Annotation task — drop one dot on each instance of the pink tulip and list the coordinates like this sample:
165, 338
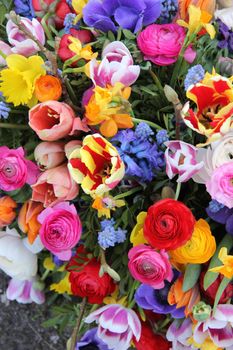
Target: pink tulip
25, 292
54, 186
51, 120
116, 66
6, 49
179, 334
49, 154
71, 146
22, 45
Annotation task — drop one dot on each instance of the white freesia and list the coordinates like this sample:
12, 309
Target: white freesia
15, 259
226, 16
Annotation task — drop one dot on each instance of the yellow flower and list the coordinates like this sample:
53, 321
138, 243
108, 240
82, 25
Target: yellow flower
83, 52
18, 80
104, 205
78, 6
207, 345
227, 268
49, 265
137, 236
113, 299
199, 249
63, 286
198, 19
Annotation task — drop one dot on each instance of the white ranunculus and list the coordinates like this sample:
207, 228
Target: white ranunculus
226, 16
15, 259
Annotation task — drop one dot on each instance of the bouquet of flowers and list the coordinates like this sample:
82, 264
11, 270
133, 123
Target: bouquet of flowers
116, 169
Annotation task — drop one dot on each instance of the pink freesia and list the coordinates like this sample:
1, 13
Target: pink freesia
116, 66
117, 325
150, 267
49, 154
22, 45
15, 170
6, 49
153, 42
25, 292
61, 229
51, 120
179, 333
219, 327
54, 186
180, 158
220, 185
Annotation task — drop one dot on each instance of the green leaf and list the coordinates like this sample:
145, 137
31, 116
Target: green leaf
128, 34
111, 36
210, 277
3, 12
192, 273
224, 283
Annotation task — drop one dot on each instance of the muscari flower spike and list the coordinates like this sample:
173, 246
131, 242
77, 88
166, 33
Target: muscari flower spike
109, 236
4, 110
69, 22
194, 75
169, 10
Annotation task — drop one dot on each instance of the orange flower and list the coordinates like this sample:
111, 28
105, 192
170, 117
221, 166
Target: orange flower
27, 219
7, 212
48, 88
204, 5
180, 298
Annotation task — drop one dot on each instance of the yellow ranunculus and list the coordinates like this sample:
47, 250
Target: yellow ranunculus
199, 249
18, 80
137, 236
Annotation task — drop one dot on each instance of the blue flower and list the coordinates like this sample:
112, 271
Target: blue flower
90, 340
109, 236
69, 22
4, 110
143, 131
24, 8
169, 10
128, 14
215, 206
225, 36
194, 75
161, 137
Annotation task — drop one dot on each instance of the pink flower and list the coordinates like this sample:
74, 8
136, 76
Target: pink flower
49, 154
15, 170
150, 267
180, 159
61, 229
51, 120
21, 44
153, 42
116, 325
179, 333
54, 186
116, 66
71, 146
6, 49
220, 185
25, 292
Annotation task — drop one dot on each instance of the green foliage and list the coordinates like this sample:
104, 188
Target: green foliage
192, 273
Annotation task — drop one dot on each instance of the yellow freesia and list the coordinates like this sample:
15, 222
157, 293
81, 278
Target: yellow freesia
78, 6
104, 205
227, 268
63, 286
83, 52
137, 236
18, 80
198, 19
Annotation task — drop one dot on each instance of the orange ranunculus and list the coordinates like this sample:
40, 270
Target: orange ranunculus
27, 219
204, 5
7, 212
48, 88
180, 298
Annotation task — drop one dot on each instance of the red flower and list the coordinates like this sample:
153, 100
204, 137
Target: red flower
151, 341
85, 36
62, 9
85, 280
168, 225
210, 293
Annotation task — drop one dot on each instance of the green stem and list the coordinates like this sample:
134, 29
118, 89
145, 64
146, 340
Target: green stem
74, 336
178, 188
45, 274
2, 54
131, 294
13, 126
45, 27
128, 193
157, 81
153, 125
74, 70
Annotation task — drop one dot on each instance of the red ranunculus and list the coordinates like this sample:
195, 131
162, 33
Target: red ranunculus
210, 293
151, 341
85, 36
62, 9
168, 225
85, 280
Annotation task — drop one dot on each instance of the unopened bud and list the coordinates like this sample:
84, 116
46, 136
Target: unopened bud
201, 311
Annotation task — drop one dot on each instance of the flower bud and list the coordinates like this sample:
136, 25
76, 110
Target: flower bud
201, 311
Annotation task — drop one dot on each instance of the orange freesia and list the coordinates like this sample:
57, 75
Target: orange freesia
27, 219
180, 298
204, 5
48, 88
110, 108
7, 212
227, 268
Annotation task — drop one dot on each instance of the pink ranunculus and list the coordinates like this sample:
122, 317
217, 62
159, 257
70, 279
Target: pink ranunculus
150, 267
180, 158
54, 186
60, 229
6, 49
25, 292
161, 43
15, 169
220, 185
22, 45
49, 154
116, 66
51, 120
117, 325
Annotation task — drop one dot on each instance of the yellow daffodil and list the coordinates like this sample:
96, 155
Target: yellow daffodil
18, 80
83, 52
63, 286
227, 268
137, 236
206, 345
105, 204
78, 6
198, 19
113, 298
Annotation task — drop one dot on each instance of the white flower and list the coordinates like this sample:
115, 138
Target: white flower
226, 16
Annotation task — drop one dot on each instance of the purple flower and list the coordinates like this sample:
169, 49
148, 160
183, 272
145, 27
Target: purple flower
24, 8
25, 292
90, 340
222, 216
107, 15
117, 325
225, 36
179, 333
